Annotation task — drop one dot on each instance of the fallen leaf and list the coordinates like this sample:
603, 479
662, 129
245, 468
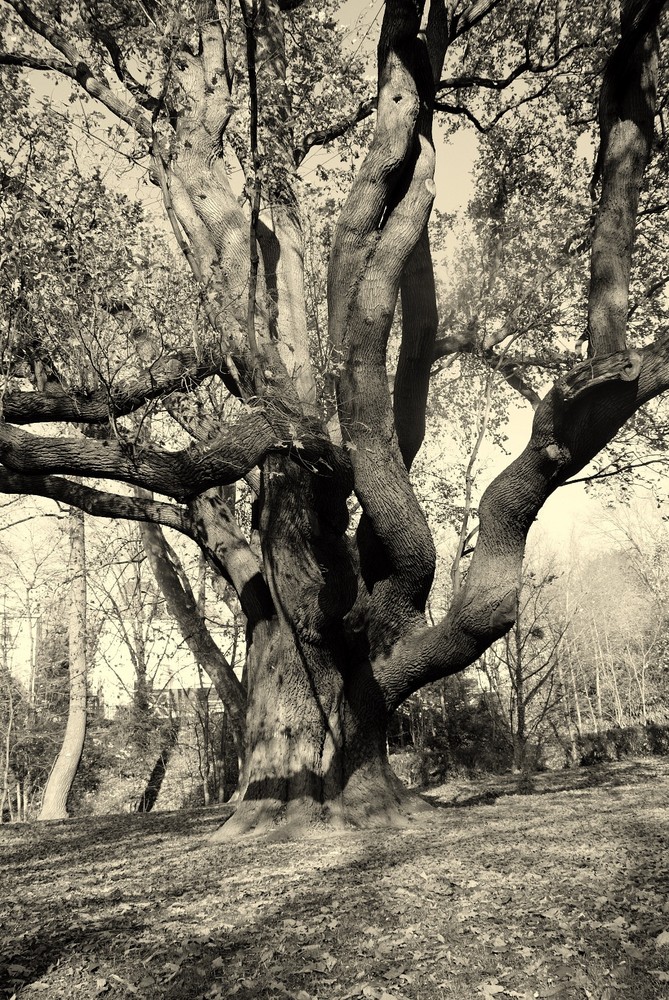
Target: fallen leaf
491, 989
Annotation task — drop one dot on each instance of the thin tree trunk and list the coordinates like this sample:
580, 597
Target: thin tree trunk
618, 705
7, 757
599, 656
566, 709
574, 687
59, 785
149, 796
520, 735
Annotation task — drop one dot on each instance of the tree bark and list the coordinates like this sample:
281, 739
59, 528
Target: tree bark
61, 779
626, 115
316, 747
183, 608
149, 796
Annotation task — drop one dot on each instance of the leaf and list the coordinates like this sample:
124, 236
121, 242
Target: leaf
662, 939
663, 977
554, 991
491, 989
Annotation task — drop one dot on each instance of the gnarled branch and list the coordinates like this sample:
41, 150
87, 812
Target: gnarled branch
80, 71
320, 137
180, 371
558, 449
98, 503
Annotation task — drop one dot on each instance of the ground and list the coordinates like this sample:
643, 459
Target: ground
562, 892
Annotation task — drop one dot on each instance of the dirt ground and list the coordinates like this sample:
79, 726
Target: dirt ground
562, 892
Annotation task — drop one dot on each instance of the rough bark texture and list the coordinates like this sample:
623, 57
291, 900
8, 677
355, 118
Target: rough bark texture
59, 785
316, 744
626, 115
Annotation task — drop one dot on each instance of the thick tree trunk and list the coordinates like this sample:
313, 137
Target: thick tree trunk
316, 719
59, 785
316, 747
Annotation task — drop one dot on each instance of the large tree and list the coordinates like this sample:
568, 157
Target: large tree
336, 636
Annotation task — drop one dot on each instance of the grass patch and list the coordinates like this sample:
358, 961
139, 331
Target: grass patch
563, 893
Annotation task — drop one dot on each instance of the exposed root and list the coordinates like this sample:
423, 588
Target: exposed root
394, 808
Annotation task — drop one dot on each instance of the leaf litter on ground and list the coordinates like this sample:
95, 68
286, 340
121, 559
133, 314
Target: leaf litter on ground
561, 893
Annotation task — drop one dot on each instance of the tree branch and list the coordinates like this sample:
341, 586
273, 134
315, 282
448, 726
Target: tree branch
181, 371
25, 61
419, 329
183, 608
626, 118
81, 71
563, 441
222, 541
97, 502
321, 137
510, 372
378, 229
471, 16
182, 474
526, 66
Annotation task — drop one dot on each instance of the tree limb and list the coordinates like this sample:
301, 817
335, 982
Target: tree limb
419, 329
222, 541
98, 503
378, 229
180, 371
468, 80
471, 16
560, 446
320, 137
25, 61
179, 474
183, 608
81, 71
626, 119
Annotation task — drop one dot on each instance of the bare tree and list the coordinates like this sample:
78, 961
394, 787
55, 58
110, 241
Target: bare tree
523, 667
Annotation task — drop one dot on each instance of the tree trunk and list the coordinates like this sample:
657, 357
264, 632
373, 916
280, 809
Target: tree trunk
316, 748
566, 712
59, 785
149, 796
316, 723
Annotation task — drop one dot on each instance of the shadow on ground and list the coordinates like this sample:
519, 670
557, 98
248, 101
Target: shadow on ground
493, 787
547, 895
113, 836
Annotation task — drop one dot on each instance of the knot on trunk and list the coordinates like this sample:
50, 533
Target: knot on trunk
624, 366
